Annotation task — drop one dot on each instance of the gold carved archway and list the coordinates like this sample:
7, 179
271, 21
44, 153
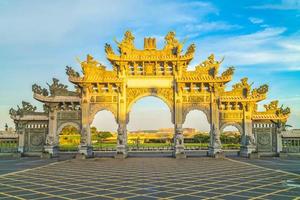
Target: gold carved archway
163, 73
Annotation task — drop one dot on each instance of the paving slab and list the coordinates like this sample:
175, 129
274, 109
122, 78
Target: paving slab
148, 178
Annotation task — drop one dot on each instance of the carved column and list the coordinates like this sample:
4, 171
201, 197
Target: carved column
248, 143
85, 147
52, 139
135, 68
278, 132
122, 141
179, 142
215, 147
121, 151
178, 135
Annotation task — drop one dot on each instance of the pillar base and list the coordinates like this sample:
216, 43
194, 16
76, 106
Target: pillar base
51, 150
46, 155
21, 150
215, 152
17, 155
180, 155
283, 155
248, 151
179, 151
121, 155
86, 151
121, 152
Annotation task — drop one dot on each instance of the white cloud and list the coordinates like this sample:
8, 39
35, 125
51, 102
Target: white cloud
255, 20
264, 26
293, 45
283, 5
293, 68
209, 27
34, 22
289, 99
267, 46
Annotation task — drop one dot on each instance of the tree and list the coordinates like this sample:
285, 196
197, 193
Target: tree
100, 136
70, 130
201, 138
93, 130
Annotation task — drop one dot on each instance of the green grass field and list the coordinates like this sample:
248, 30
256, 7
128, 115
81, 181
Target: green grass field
146, 145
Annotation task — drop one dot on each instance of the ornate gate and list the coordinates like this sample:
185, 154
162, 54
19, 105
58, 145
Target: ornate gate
162, 73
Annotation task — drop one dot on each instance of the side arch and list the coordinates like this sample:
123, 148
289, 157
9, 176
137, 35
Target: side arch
94, 109
189, 108
234, 124
63, 125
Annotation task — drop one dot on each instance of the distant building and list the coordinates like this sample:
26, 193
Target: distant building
8, 133
291, 141
166, 130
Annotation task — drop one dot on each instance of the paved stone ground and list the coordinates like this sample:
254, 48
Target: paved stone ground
12, 164
289, 164
149, 178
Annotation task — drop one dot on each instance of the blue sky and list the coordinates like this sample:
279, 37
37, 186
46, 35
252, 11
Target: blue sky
39, 38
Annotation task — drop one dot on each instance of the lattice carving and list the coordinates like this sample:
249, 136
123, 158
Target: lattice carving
166, 94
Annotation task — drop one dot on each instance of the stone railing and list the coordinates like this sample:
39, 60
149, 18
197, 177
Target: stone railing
8, 145
291, 145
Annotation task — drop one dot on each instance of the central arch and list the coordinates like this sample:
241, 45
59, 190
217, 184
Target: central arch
143, 134
145, 95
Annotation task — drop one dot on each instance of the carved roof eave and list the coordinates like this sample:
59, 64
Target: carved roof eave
31, 117
291, 133
75, 80
269, 116
243, 99
97, 79
56, 99
205, 79
117, 58
202, 68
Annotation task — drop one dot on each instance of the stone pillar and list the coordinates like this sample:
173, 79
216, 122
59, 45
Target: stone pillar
279, 143
121, 141
121, 151
215, 147
177, 119
52, 140
21, 135
278, 131
248, 143
85, 147
179, 142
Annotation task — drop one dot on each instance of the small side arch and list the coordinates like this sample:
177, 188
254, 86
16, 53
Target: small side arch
188, 109
60, 128
234, 124
100, 107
